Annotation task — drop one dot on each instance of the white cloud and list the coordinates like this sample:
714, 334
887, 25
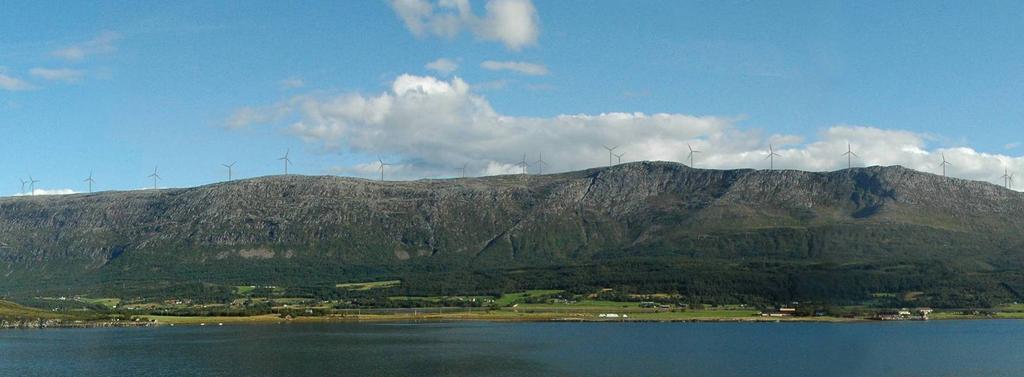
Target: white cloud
525, 68
443, 66
292, 83
39, 192
430, 125
514, 23
101, 44
57, 74
12, 83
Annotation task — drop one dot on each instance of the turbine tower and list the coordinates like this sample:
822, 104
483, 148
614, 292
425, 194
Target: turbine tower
692, 152
229, 166
1006, 178
286, 160
91, 181
849, 156
32, 184
618, 157
463, 169
523, 164
610, 149
382, 165
23, 182
771, 157
1010, 183
944, 164
155, 176
540, 163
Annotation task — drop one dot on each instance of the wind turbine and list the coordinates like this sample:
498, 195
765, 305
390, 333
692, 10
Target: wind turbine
286, 160
231, 165
23, 182
463, 169
155, 176
91, 181
1006, 178
540, 163
32, 184
849, 156
523, 163
771, 157
610, 149
618, 157
944, 164
1010, 183
692, 152
382, 165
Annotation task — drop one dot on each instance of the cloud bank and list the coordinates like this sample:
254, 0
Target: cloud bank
429, 126
514, 23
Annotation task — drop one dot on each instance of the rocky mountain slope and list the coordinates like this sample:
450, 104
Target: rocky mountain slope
289, 229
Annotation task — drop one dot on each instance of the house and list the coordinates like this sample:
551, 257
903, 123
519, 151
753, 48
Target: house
904, 315
779, 312
924, 312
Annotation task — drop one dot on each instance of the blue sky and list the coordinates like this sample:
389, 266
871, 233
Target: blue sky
120, 87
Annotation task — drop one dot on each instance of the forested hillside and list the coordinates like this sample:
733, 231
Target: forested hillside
712, 235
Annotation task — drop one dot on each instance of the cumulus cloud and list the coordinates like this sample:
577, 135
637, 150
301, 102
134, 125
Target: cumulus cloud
514, 23
525, 68
443, 66
430, 126
104, 43
57, 74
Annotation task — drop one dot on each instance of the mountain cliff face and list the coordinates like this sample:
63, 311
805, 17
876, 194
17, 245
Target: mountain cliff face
332, 229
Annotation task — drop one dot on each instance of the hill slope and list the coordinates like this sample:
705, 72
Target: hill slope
650, 226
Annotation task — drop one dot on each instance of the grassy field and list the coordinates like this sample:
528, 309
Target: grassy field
182, 320
365, 286
11, 310
244, 289
510, 298
996, 315
696, 315
583, 304
1012, 308
110, 303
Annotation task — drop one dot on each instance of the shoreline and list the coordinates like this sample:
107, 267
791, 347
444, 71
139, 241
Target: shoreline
493, 316
165, 321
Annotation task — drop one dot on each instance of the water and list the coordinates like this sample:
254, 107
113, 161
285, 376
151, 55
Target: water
932, 349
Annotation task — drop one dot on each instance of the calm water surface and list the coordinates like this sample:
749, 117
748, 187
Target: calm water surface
933, 349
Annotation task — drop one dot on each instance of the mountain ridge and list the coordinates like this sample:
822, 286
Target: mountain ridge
283, 229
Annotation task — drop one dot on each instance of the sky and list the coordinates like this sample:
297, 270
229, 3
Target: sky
118, 89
